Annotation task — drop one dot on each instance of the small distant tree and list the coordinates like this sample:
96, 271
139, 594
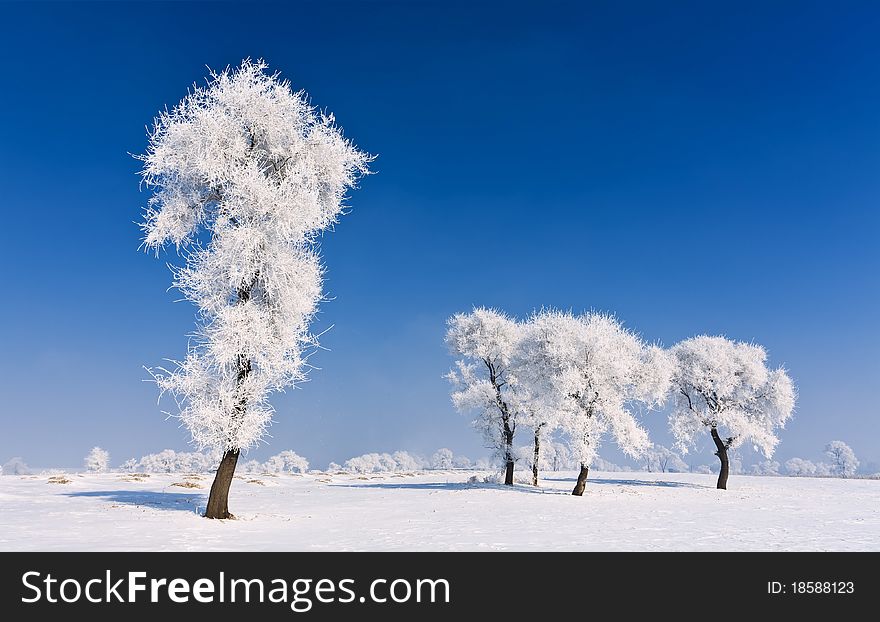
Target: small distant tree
443, 459
483, 380
766, 467
165, 461
594, 372
286, 462
408, 462
15, 466
725, 386
370, 463
843, 459
461, 462
253, 466
97, 460
606, 466
556, 456
483, 464
661, 459
246, 173
798, 467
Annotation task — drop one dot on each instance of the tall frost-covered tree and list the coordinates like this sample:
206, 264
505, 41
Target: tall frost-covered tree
542, 421
483, 380
726, 386
245, 174
539, 411
596, 372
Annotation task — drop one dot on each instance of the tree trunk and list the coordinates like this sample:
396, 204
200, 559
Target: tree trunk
582, 481
535, 457
218, 500
508, 473
508, 453
507, 429
722, 456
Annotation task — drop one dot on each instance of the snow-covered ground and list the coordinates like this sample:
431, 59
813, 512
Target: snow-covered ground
440, 511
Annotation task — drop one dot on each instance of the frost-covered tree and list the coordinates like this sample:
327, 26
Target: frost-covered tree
661, 459
170, 461
483, 381
407, 461
97, 460
556, 456
252, 466
538, 410
766, 467
246, 173
726, 387
443, 459
798, 467
371, 463
15, 466
595, 373
843, 459
602, 465
483, 464
165, 461
461, 462
286, 462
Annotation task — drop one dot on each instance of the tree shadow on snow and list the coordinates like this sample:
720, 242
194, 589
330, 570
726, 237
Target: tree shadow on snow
632, 482
179, 501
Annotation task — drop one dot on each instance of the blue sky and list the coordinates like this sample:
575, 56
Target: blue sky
705, 167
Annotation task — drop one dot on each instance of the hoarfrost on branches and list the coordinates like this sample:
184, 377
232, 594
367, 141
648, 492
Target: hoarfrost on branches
843, 459
725, 386
484, 381
246, 174
593, 373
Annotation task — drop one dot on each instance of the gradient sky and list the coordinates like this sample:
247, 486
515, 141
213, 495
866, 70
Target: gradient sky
704, 167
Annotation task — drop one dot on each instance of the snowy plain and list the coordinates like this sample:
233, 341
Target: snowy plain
440, 511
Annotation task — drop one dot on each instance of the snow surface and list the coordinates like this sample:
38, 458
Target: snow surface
440, 511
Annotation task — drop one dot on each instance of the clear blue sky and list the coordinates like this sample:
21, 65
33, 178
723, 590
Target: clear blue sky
703, 167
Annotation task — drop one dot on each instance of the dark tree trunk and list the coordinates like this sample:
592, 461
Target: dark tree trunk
508, 430
536, 456
582, 481
218, 500
721, 446
508, 452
